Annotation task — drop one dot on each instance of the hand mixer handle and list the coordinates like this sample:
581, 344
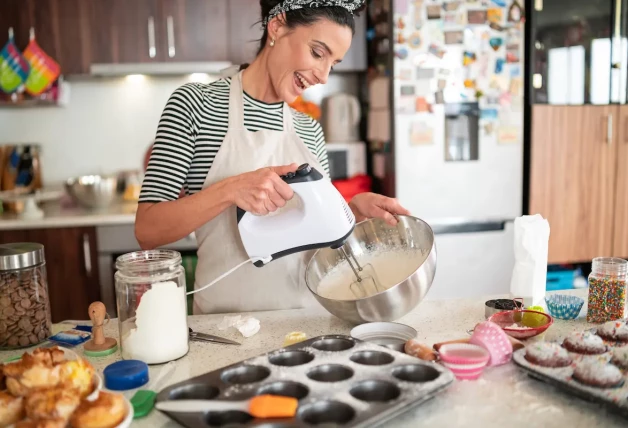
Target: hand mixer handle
303, 174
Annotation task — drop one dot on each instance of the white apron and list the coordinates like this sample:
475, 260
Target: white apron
281, 283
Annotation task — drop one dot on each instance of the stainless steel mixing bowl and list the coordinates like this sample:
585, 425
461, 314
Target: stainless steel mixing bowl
372, 236
93, 191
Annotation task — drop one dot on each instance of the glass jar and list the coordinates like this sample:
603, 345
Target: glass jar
24, 304
607, 290
152, 307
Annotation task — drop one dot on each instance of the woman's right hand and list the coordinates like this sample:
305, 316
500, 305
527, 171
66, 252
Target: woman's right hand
262, 191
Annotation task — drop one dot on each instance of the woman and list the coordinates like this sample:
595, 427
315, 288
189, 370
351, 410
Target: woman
228, 142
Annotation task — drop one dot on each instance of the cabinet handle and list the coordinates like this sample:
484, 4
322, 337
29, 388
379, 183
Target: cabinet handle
87, 255
609, 130
152, 50
170, 24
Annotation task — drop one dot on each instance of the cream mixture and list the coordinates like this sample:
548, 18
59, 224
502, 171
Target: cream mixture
390, 267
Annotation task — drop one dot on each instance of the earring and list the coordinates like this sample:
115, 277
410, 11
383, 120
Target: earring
272, 43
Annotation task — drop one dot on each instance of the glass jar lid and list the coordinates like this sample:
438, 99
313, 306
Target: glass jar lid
20, 255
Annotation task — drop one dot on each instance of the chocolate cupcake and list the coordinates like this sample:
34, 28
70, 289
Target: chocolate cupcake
614, 330
620, 356
547, 354
585, 343
598, 373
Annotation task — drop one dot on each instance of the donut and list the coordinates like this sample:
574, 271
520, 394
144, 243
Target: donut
547, 354
614, 330
585, 343
620, 356
598, 373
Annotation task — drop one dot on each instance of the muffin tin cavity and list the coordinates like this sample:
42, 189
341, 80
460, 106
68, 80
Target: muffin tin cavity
337, 380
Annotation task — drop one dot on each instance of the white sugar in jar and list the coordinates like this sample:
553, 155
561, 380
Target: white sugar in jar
152, 306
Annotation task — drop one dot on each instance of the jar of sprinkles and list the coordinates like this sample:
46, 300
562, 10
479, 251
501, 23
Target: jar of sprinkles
607, 290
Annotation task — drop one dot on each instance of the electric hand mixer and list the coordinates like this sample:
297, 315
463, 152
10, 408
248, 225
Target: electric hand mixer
316, 217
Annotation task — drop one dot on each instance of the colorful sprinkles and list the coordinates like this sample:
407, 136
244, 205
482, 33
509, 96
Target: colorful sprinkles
607, 299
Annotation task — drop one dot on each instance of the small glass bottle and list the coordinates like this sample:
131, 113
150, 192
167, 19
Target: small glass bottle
607, 290
152, 306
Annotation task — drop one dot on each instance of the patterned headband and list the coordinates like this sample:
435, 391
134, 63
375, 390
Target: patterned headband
288, 5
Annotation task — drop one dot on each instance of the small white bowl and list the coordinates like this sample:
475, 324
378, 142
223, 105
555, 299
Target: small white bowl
126, 422
392, 335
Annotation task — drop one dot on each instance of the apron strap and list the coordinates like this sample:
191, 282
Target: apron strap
236, 103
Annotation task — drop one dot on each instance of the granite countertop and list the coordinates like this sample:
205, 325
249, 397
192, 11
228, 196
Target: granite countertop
57, 215
503, 396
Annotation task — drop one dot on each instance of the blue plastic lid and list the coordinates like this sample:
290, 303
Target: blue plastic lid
126, 374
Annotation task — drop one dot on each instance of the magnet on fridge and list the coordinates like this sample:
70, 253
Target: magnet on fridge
515, 12
421, 132
422, 105
407, 90
488, 114
442, 84
497, 27
401, 52
468, 58
515, 70
404, 74
439, 97
505, 99
512, 55
424, 73
400, 23
454, 37
476, 17
401, 6
496, 43
418, 14
469, 83
450, 6
515, 86
433, 11
436, 51
499, 65
400, 38
495, 14
415, 41
489, 128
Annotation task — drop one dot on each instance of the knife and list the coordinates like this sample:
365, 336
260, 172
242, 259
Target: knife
194, 335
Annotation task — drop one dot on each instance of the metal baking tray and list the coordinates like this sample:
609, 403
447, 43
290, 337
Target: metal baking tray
614, 399
338, 380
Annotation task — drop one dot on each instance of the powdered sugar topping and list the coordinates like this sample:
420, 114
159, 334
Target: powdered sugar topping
620, 355
596, 370
545, 351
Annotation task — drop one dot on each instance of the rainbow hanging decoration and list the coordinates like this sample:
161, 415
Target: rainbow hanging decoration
14, 69
44, 70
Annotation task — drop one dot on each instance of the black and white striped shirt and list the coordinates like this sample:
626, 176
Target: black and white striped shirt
192, 127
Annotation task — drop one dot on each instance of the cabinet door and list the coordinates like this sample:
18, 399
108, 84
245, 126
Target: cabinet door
572, 175
71, 264
577, 33
126, 31
62, 30
244, 30
194, 30
620, 232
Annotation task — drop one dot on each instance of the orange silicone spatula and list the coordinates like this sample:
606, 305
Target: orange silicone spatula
261, 406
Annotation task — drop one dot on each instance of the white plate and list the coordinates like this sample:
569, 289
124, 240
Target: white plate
126, 423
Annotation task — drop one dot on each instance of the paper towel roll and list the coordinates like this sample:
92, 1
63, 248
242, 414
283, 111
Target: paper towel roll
529, 275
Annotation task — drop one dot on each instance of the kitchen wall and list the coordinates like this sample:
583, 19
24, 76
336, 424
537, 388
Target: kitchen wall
109, 124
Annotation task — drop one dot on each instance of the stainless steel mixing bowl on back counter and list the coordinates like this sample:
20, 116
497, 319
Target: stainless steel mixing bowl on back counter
93, 191
371, 236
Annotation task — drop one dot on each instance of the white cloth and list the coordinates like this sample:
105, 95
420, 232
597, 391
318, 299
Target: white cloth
281, 283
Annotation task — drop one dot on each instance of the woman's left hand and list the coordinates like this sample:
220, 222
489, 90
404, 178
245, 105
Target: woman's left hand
372, 205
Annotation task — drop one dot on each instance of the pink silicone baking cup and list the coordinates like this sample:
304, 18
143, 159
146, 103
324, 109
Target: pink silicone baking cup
463, 354
491, 337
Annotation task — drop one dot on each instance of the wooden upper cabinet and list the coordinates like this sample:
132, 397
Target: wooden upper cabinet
244, 30
572, 178
127, 31
61, 28
194, 30
620, 232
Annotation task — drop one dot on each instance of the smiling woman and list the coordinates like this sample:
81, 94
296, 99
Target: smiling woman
229, 142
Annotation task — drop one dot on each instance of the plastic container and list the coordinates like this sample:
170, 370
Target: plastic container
152, 307
24, 304
607, 290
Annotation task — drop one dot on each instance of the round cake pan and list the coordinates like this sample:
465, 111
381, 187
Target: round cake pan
389, 334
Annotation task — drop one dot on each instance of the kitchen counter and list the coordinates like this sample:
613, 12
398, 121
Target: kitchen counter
56, 215
503, 396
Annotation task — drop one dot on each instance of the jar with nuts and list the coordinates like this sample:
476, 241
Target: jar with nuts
24, 304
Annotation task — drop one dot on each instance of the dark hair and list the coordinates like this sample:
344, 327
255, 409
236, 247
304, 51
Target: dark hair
308, 16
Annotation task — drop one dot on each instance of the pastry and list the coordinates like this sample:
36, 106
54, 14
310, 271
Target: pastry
77, 374
54, 403
547, 354
29, 373
585, 343
598, 373
620, 356
11, 409
107, 411
614, 330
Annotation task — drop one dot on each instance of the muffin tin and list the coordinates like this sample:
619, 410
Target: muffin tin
615, 398
339, 380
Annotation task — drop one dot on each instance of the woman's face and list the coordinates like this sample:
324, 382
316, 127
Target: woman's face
303, 56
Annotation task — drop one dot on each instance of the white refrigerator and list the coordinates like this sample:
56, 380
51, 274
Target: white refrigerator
457, 120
